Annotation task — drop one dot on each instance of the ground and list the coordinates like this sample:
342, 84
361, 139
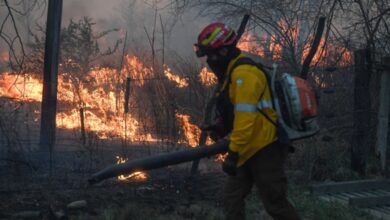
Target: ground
33, 192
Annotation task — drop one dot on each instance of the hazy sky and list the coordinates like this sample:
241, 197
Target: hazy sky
133, 16
137, 17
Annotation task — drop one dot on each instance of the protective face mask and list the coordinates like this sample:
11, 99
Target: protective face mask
219, 67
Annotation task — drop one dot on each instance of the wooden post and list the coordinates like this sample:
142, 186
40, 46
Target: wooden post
127, 94
82, 127
49, 93
361, 115
126, 111
383, 116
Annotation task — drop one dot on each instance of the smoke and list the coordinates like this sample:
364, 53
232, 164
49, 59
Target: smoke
140, 19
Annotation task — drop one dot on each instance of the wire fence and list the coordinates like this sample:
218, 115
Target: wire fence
153, 111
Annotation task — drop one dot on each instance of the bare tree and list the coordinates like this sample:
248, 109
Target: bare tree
80, 48
366, 23
11, 31
289, 24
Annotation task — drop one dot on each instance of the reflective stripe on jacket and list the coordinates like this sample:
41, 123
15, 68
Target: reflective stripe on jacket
251, 130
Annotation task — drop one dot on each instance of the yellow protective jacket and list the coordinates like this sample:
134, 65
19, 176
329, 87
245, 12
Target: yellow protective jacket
251, 131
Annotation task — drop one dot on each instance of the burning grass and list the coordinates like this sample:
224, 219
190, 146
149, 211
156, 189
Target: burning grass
96, 100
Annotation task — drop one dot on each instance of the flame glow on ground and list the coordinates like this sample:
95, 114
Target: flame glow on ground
139, 176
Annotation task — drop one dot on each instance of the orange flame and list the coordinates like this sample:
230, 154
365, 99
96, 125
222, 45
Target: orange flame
97, 94
220, 157
249, 44
24, 88
139, 176
180, 82
137, 70
206, 77
327, 54
191, 131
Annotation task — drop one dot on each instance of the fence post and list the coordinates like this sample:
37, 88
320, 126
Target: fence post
127, 95
383, 116
360, 145
82, 127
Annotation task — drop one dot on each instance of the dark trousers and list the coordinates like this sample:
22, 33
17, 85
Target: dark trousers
266, 170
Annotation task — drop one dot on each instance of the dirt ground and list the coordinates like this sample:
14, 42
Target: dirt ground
29, 190
167, 191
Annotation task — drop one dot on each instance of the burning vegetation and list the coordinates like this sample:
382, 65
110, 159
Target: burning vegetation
100, 99
125, 105
272, 47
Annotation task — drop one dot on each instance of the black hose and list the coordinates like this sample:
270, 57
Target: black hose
158, 161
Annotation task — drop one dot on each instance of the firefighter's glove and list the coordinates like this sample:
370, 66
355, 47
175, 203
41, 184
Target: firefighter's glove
229, 165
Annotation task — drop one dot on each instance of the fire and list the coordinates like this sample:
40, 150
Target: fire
22, 87
180, 82
99, 94
249, 44
191, 131
99, 98
206, 77
275, 49
137, 70
327, 54
139, 176
220, 157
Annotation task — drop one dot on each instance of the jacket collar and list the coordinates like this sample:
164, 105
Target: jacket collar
229, 70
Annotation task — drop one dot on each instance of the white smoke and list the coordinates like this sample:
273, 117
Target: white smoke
137, 18
133, 16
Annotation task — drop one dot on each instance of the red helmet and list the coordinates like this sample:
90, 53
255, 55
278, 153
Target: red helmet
214, 36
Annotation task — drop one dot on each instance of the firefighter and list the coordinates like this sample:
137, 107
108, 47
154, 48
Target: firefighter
255, 156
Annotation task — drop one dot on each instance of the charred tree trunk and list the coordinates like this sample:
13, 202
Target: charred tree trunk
313, 48
361, 123
49, 94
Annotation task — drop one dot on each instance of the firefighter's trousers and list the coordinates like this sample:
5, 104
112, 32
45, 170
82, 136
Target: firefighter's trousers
265, 170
